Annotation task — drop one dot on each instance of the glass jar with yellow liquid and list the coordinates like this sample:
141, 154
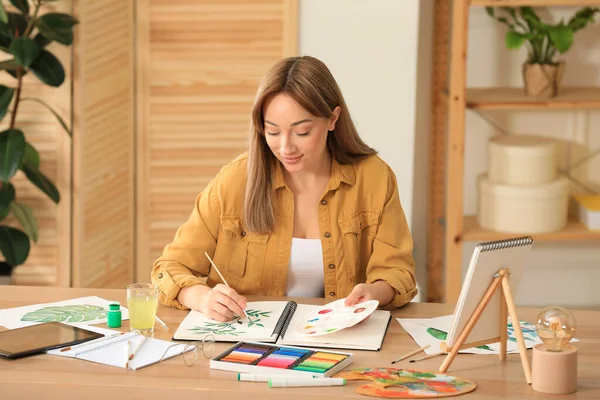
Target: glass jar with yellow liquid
142, 301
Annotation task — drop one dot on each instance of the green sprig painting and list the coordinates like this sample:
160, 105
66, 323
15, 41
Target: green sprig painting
234, 327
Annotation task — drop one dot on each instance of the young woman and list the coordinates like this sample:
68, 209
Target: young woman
309, 211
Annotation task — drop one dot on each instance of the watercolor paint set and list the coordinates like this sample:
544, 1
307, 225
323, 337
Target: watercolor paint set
280, 360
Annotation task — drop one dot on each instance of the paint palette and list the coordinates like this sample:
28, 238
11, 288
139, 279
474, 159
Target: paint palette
392, 383
286, 360
334, 317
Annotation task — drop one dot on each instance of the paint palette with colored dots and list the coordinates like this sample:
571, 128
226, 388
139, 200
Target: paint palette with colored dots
334, 317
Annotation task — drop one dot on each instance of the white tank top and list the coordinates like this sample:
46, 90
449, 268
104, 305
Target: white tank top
305, 270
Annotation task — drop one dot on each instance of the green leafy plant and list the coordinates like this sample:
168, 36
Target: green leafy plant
74, 313
24, 37
544, 40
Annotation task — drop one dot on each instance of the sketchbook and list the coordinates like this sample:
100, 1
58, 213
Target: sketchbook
487, 259
113, 350
284, 323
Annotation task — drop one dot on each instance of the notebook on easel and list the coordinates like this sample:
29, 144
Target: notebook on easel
114, 350
486, 299
487, 259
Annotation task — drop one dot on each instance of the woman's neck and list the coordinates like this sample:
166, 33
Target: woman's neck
310, 178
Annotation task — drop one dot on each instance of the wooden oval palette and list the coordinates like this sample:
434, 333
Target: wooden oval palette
393, 383
334, 317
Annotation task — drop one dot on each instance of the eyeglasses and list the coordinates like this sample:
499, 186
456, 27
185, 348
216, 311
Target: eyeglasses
190, 352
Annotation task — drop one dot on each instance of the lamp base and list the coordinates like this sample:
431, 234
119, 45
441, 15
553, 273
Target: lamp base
554, 372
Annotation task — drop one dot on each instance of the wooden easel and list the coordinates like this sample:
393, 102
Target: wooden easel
506, 301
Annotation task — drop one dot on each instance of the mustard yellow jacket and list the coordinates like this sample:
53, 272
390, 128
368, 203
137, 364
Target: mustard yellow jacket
364, 236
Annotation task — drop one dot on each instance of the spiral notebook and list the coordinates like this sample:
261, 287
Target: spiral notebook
279, 322
113, 350
487, 259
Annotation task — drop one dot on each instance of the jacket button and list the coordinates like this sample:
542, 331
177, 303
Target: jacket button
327, 235
160, 276
331, 266
324, 202
243, 233
332, 294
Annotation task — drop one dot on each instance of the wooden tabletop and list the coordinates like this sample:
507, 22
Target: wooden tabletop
53, 377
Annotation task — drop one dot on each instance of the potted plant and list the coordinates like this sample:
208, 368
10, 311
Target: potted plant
542, 72
24, 37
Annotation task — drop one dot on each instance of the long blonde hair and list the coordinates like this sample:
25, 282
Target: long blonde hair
309, 82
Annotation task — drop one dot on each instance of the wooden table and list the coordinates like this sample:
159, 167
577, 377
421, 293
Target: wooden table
53, 377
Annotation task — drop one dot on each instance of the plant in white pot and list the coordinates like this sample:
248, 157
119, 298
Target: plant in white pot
542, 72
24, 38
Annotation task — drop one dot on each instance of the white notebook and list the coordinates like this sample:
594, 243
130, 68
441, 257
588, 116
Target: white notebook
488, 258
112, 350
278, 322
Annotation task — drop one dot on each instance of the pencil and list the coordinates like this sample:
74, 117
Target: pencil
412, 353
222, 277
127, 355
427, 357
91, 342
139, 346
162, 323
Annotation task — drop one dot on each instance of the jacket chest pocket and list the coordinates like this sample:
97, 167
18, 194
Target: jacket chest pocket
358, 232
242, 254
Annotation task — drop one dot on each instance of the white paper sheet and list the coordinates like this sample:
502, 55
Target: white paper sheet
114, 350
79, 311
431, 331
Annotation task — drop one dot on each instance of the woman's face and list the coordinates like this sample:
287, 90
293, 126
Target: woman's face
296, 137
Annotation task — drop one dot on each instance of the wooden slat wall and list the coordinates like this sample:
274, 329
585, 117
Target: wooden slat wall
49, 260
199, 64
103, 158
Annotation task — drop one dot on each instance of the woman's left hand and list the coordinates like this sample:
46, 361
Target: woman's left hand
379, 290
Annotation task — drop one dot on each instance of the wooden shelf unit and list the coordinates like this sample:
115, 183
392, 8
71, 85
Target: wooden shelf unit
575, 231
513, 98
450, 102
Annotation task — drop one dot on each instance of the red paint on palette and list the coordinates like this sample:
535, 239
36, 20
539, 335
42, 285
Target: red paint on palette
328, 310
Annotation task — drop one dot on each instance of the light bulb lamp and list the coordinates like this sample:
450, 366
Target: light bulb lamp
554, 363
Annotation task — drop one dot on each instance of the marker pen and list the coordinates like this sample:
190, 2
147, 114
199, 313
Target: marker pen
273, 383
250, 377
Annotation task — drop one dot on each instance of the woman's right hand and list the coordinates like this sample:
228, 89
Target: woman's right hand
221, 302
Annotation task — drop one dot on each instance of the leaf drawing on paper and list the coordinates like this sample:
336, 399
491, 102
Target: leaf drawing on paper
441, 335
528, 330
218, 328
72, 313
234, 327
257, 315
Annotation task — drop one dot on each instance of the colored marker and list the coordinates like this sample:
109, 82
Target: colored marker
310, 369
263, 377
274, 383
